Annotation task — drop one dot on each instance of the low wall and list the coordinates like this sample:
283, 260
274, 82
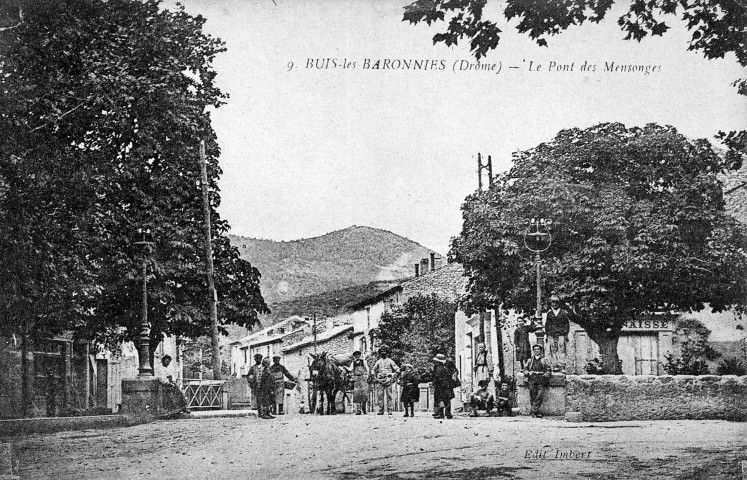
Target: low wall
666, 397
553, 399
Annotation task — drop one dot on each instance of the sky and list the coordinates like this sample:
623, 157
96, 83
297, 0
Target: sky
306, 151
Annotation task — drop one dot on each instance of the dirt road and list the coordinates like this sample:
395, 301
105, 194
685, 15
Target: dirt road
351, 447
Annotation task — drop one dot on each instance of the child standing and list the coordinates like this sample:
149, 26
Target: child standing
410, 390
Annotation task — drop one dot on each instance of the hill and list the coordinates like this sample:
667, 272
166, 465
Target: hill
334, 261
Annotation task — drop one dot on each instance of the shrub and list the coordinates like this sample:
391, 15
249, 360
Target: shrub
685, 366
731, 366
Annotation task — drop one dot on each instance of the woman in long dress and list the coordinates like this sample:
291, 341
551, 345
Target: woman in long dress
360, 383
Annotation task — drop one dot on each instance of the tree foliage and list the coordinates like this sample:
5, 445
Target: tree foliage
417, 330
103, 106
716, 29
639, 227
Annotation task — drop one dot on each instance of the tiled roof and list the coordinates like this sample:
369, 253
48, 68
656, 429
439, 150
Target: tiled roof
447, 281
322, 337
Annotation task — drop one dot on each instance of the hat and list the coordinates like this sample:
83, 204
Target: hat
554, 298
537, 345
275, 356
357, 351
384, 348
441, 358
257, 356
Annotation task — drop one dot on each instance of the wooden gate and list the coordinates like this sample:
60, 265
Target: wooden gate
203, 394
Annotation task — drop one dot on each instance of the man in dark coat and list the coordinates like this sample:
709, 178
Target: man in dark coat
557, 326
266, 391
522, 347
538, 374
443, 386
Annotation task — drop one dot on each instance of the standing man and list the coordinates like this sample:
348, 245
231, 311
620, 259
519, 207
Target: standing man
279, 373
265, 391
483, 365
443, 386
537, 373
385, 371
360, 383
557, 326
253, 377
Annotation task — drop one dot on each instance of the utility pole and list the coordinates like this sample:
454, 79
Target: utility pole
213, 295
480, 167
315, 334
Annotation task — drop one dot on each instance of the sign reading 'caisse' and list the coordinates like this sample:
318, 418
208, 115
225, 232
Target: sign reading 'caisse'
648, 324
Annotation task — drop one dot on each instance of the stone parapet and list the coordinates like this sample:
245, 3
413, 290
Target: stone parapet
643, 397
553, 403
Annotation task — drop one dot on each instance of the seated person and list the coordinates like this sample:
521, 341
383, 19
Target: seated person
504, 400
481, 399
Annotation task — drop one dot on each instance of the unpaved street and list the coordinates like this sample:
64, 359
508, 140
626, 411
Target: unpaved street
350, 447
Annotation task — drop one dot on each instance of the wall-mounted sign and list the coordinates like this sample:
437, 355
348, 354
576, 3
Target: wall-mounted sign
646, 324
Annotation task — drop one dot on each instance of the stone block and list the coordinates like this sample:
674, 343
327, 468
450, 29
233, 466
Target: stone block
574, 417
150, 396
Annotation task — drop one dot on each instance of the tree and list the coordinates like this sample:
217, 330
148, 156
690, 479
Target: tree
417, 330
639, 227
717, 29
103, 108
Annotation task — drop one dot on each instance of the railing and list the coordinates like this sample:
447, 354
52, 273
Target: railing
204, 394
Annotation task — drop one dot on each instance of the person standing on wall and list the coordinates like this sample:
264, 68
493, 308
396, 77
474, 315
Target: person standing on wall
279, 373
537, 373
522, 347
359, 371
557, 327
385, 371
253, 378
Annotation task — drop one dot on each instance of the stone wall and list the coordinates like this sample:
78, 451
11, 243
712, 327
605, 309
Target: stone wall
643, 397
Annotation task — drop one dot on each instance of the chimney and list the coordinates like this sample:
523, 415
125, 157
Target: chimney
423, 266
433, 261
417, 269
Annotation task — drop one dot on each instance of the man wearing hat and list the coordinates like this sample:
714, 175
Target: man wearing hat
443, 386
359, 370
385, 371
537, 372
253, 378
279, 372
557, 326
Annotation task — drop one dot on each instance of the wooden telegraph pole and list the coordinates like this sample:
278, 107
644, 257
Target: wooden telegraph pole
213, 295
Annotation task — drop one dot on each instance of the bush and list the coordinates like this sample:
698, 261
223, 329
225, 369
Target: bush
685, 366
731, 366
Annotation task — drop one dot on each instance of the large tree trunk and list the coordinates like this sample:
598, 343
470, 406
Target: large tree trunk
607, 342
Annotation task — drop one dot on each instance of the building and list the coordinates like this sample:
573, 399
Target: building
67, 376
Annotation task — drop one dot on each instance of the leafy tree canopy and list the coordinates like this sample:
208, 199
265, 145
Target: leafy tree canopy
103, 105
417, 330
639, 226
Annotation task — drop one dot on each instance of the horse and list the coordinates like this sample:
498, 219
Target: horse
328, 379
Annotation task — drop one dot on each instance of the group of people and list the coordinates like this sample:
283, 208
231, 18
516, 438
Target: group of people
537, 372
267, 384
385, 373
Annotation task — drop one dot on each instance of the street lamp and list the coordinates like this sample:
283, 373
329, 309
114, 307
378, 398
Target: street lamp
537, 239
143, 348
